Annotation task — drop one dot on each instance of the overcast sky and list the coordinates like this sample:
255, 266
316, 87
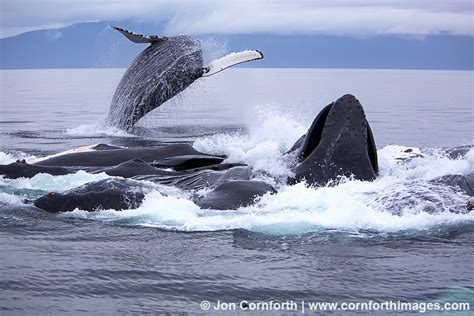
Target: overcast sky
347, 17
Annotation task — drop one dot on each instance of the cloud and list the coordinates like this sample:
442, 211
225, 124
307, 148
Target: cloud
343, 17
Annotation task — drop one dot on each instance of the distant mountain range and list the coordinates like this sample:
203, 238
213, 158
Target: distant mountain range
96, 45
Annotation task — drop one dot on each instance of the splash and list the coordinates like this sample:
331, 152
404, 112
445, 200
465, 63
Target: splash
294, 209
47, 182
263, 148
7, 158
403, 198
97, 130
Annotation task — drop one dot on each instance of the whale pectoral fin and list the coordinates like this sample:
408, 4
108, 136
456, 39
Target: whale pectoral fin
230, 60
140, 38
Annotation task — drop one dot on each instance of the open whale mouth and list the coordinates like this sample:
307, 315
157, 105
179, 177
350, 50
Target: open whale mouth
338, 143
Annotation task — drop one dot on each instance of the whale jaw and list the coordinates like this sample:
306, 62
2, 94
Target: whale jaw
338, 143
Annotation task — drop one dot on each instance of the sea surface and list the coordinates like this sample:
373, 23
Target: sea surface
400, 238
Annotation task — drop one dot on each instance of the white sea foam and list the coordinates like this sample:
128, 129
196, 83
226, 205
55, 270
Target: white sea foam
395, 202
270, 135
293, 210
46, 182
97, 130
431, 165
6, 158
9, 199
402, 198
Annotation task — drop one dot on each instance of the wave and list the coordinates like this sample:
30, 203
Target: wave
8, 199
9, 157
47, 182
97, 130
262, 148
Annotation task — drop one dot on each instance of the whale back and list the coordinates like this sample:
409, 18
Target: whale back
161, 71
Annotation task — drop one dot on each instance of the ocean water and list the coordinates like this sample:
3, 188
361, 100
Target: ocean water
402, 237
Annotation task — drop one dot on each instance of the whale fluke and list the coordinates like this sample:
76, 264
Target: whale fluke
140, 38
230, 60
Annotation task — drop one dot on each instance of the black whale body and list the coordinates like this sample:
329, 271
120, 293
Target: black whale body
201, 178
117, 194
121, 194
465, 183
113, 157
234, 194
21, 169
120, 162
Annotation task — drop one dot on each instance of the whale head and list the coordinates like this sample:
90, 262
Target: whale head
338, 143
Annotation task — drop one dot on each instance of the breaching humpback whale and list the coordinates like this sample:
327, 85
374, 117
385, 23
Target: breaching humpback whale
164, 69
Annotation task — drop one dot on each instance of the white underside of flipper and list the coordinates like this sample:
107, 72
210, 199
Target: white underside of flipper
230, 60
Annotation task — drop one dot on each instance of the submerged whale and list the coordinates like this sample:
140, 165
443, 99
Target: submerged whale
165, 68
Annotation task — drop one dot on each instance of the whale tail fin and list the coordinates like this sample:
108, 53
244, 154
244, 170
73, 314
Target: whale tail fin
140, 38
230, 60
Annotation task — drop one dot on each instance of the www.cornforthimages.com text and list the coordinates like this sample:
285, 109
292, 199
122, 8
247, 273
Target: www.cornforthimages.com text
313, 306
